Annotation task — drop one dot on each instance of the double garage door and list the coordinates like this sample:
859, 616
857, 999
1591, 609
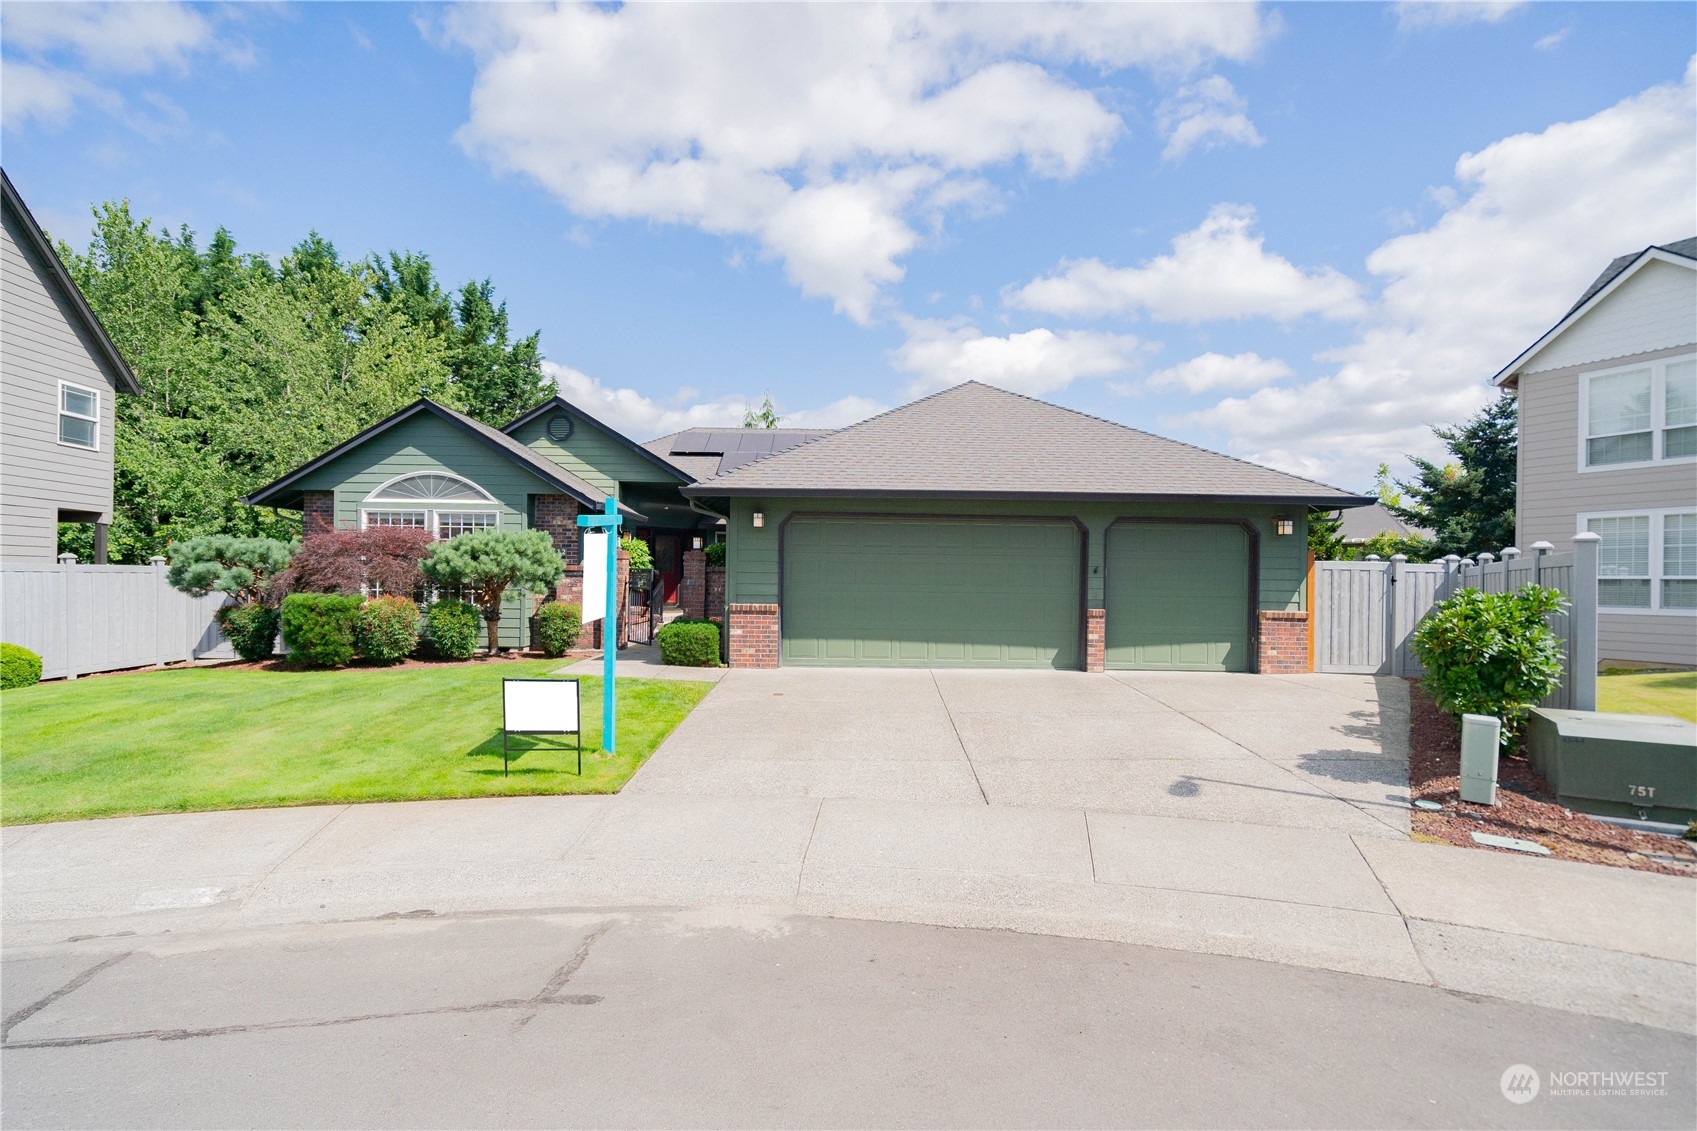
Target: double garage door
996, 593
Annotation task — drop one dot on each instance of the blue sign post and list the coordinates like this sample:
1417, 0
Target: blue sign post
608, 523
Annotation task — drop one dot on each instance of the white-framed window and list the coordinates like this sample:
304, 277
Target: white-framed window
1637, 415
444, 504
79, 416
1647, 562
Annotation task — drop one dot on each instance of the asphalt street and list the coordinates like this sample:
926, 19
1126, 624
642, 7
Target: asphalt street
740, 1017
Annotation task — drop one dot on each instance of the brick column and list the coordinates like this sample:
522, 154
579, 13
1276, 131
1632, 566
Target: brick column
318, 512
1283, 647
1095, 640
692, 590
716, 594
753, 636
557, 514
622, 631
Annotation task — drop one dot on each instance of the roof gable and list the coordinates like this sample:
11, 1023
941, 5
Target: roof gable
668, 471
1616, 276
977, 440
61, 280
286, 491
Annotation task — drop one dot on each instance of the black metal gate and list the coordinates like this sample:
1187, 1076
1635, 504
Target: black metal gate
645, 605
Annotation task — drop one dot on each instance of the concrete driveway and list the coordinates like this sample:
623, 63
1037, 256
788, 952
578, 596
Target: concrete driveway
1316, 752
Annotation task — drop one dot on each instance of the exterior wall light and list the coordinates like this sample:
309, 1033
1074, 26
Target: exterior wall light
695, 543
1284, 526
759, 518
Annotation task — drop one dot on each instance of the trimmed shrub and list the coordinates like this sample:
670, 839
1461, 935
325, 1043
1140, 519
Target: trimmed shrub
319, 627
224, 563
388, 629
641, 557
452, 627
251, 629
19, 667
557, 627
1491, 654
689, 643
716, 553
351, 562
487, 563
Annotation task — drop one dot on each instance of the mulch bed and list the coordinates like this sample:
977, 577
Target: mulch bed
1525, 807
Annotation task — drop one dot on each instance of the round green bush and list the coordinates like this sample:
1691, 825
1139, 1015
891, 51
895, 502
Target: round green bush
388, 629
19, 667
319, 627
452, 626
558, 626
689, 643
1491, 654
251, 630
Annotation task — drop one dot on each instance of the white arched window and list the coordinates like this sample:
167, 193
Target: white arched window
443, 504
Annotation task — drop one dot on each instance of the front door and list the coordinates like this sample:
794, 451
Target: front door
668, 561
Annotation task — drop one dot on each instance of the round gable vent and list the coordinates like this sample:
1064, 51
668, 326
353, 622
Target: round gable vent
560, 427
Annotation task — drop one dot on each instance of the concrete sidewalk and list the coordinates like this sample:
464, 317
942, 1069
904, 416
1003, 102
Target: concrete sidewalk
1593, 940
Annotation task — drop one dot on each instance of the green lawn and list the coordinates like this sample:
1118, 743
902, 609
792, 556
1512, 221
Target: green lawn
209, 738
1652, 693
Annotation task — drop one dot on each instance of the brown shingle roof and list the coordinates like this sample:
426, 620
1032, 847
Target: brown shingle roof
974, 439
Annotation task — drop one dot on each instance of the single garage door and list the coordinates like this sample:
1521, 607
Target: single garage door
1178, 597
927, 592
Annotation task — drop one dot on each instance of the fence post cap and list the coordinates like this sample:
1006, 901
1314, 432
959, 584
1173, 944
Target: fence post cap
1374, 558
1399, 557
1543, 547
1486, 557
1510, 552
67, 559
1587, 536
157, 559
1453, 559
1468, 562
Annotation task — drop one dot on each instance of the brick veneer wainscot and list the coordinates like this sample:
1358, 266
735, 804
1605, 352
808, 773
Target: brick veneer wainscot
1096, 640
557, 514
753, 636
1283, 645
318, 512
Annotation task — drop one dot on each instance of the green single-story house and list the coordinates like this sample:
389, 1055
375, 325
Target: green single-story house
974, 527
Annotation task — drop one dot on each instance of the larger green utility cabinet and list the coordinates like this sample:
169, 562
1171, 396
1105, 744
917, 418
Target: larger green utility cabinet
932, 592
1178, 596
1617, 765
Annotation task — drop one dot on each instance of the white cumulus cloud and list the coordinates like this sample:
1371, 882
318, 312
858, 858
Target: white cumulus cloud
1211, 371
1418, 15
642, 417
820, 132
1535, 218
1204, 115
940, 354
1219, 270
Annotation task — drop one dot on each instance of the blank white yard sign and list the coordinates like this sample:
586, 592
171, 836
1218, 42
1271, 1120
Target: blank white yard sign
594, 577
541, 706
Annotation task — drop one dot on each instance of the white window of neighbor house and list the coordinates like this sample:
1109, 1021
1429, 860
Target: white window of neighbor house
1647, 562
1623, 563
1679, 561
79, 416
1679, 436
1618, 413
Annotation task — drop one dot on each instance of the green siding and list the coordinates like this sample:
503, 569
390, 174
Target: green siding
599, 458
915, 592
1177, 596
428, 443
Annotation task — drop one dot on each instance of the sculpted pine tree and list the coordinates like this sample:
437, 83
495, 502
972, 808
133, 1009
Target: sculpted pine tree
487, 563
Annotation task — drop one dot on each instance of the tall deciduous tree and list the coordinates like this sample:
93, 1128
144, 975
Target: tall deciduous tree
1468, 504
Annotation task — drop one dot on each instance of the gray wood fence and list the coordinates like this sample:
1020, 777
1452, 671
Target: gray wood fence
1365, 613
82, 619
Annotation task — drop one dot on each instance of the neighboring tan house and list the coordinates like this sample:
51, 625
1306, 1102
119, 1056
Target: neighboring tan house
973, 528
59, 377
1608, 443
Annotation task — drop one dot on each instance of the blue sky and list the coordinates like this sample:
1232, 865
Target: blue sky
1297, 233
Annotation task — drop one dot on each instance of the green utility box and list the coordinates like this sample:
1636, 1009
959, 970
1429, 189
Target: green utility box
1642, 766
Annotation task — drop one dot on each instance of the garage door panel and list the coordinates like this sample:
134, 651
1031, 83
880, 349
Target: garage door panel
1177, 597
926, 592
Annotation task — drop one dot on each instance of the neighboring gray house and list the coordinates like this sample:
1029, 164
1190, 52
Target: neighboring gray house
59, 376
1358, 526
1608, 443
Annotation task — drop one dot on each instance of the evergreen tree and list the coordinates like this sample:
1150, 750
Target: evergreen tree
1468, 504
766, 416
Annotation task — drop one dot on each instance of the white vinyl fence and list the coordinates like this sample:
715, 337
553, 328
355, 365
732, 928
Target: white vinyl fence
98, 618
1365, 613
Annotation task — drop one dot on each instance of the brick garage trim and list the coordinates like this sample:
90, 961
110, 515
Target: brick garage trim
753, 636
1282, 647
1096, 640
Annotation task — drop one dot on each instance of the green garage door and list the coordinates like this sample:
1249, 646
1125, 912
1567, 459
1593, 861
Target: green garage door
966, 593
1178, 597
